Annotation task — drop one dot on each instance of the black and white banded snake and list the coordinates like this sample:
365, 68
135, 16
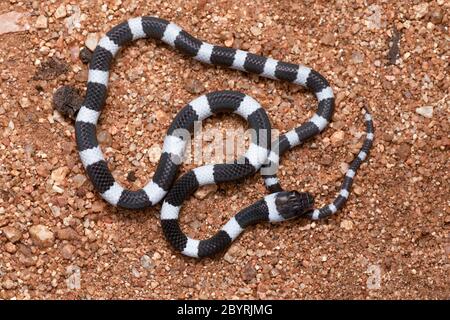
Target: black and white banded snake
279, 205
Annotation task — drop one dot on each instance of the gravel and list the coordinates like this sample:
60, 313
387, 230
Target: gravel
73, 245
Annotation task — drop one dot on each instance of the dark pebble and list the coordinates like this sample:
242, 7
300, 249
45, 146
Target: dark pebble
85, 55
67, 101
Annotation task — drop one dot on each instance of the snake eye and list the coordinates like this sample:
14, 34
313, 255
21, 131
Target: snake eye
293, 204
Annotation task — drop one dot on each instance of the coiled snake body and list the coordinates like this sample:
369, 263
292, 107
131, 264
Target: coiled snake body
277, 206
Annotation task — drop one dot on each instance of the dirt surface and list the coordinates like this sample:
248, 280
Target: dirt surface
390, 241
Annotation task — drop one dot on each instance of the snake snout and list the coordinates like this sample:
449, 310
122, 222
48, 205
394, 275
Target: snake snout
294, 204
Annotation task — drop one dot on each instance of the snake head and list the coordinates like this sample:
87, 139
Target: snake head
293, 204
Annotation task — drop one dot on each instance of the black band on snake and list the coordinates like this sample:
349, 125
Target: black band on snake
277, 206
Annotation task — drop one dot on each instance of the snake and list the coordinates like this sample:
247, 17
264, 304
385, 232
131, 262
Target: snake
262, 154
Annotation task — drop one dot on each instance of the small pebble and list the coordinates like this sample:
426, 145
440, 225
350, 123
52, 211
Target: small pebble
59, 175
421, 10
337, 138
91, 41
343, 167
357, 57
41, 22
67, 234
229, 258
403, 151
104, 137
358, 190
79, 180
326, 160
42, 170
328, 39
154, 153
131, 176
146, 262
98, 206
24, 102
10, 247
8, 284
194, 86
347, 224
156, 255
85, 55
61, 11
13, 21
41, 235
248, 273
426, 111
67, 251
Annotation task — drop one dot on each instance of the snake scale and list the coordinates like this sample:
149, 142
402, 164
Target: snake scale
262, 154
